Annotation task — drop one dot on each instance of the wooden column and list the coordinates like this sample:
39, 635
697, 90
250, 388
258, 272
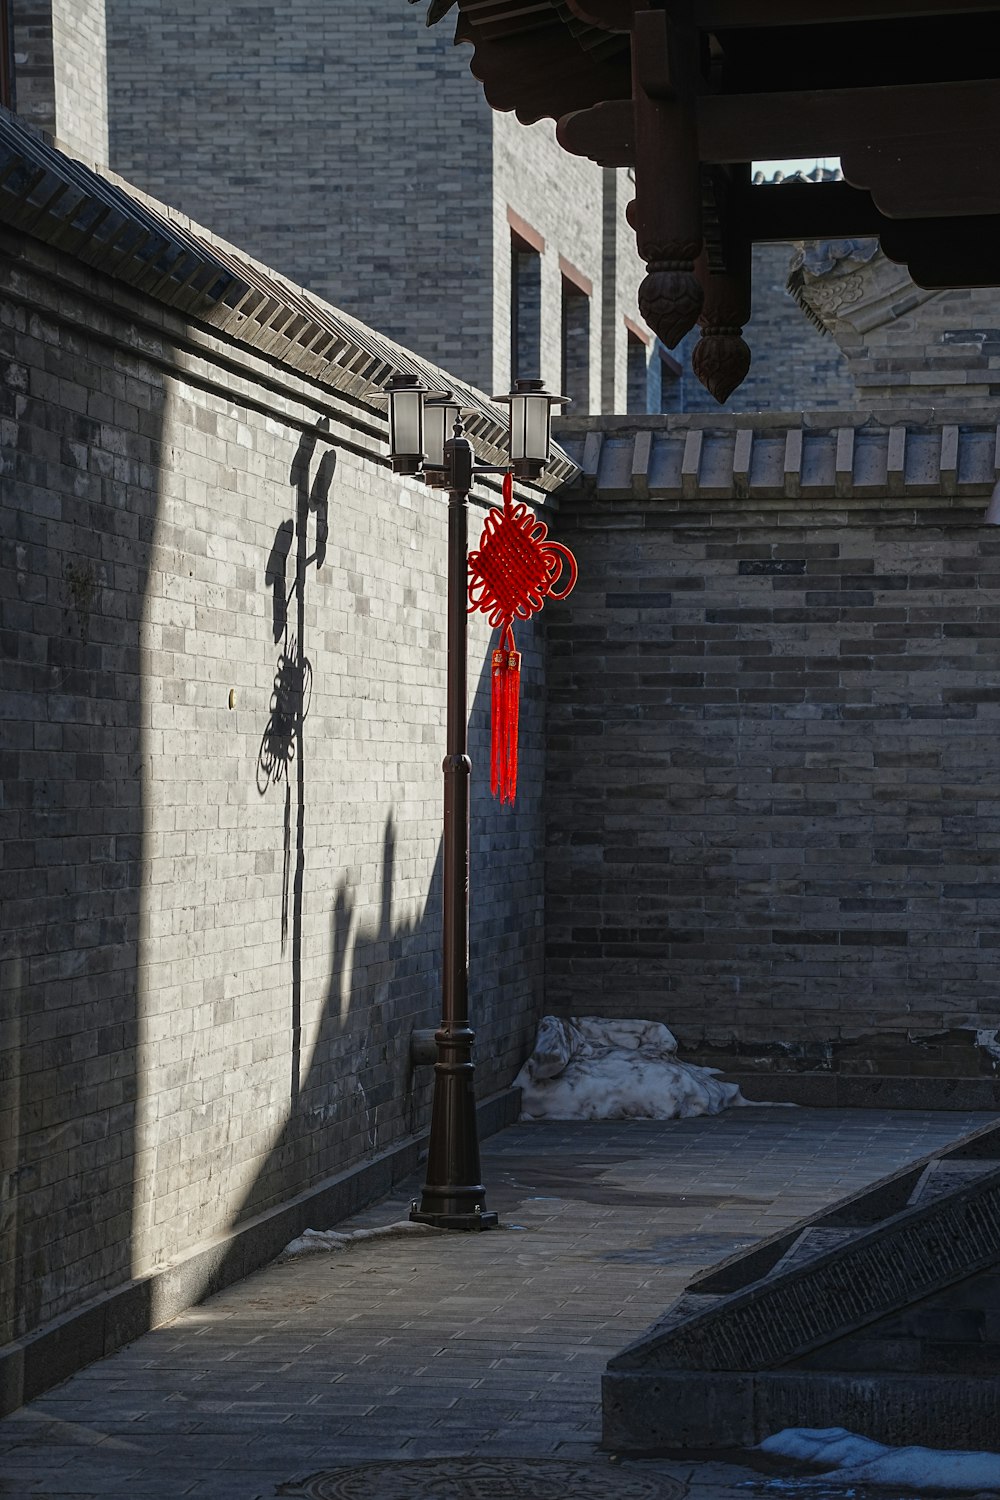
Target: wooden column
666, 210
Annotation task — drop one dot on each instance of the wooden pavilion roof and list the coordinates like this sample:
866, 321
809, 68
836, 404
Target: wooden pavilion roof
689, 92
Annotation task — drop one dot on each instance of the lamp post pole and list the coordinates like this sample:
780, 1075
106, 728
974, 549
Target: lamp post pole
453, 1195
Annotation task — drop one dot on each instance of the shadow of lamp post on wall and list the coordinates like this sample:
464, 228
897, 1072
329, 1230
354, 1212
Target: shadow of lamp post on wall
420, 420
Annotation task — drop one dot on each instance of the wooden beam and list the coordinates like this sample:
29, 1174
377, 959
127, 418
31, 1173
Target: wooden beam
818, 122
946, 252
908, 145
938, 252
725, 15
605, 133
610, 15
809, 211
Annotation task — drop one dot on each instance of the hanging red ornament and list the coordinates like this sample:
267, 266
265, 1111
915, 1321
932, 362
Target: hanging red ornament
510, 576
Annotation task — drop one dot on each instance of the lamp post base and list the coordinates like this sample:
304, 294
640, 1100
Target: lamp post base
484, 1220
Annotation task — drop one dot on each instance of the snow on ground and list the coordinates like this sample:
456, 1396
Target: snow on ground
313, 1240
589, 1068
857, 1460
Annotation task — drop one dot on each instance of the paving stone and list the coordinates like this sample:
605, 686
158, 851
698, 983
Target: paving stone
316, 1362
471, 1478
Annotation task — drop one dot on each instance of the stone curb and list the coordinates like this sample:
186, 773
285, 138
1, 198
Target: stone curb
41, 1360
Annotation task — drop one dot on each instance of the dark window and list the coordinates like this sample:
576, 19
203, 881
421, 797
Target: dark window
670, 385
576, 347
637, 372
525, 309
7, 53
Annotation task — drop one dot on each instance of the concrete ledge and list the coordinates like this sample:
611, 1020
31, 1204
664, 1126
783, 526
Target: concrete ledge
685, 1409
829, 1090
51, 1354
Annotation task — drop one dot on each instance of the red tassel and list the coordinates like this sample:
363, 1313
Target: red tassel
505, 706
510, 575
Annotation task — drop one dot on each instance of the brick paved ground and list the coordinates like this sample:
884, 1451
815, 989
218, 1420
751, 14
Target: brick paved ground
443, 1345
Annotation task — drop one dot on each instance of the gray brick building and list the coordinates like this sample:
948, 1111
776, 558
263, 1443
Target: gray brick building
375, 175
60, 71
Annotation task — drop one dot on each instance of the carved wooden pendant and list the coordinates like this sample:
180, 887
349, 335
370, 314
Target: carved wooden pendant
721, 358
670, 298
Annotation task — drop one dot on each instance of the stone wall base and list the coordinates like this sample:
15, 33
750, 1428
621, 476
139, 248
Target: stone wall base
687, 1409
866, 1091
42, 1359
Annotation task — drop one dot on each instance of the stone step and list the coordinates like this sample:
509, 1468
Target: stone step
871, 1205
867, 1275
941, 1175
759, 1323
809, 1244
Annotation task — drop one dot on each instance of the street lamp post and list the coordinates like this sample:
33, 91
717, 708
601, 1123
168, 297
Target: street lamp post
454, 1196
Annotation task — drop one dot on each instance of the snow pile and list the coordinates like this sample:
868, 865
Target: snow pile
857, 1460
314, 1240
588, 1068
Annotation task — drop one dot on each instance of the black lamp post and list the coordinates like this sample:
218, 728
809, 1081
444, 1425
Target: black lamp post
453, 1196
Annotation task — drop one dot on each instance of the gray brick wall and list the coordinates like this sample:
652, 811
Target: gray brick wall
772, 797
220, 923
379, 177
60, 49
262, 122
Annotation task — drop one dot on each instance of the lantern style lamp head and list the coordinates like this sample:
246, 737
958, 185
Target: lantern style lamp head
530, 426
441, 412
406, 423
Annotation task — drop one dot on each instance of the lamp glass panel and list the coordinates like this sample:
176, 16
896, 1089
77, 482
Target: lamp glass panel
518, 433
435, 431
406, 434
536, 427
439, 424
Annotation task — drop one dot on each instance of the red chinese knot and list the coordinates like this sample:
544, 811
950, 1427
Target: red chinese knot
510, 577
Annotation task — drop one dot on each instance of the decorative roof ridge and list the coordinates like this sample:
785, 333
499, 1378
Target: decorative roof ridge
815, 456
104, 221
818, 174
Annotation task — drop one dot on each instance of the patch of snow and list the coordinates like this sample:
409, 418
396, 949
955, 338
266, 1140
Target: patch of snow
589, 1068
857, 1460
314, 1240
988, 1041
